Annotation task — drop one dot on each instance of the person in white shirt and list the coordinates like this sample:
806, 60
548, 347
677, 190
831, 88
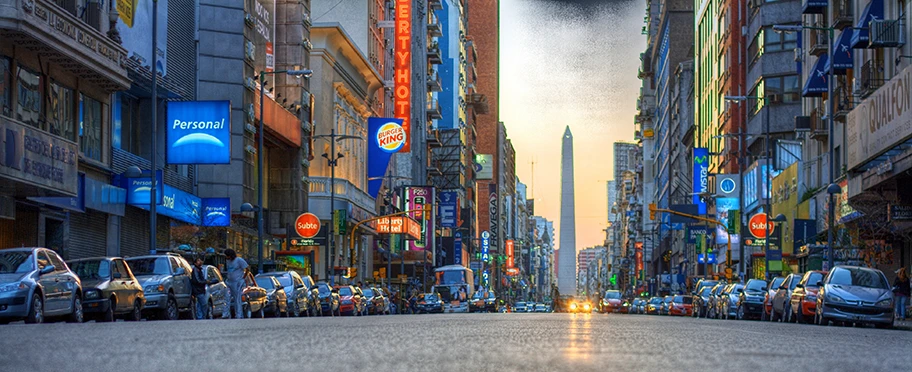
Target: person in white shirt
236, 267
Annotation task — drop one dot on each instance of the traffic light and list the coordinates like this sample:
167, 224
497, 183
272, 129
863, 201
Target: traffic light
652, 211
428, 209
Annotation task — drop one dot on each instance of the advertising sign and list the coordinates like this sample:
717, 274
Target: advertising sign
494, 216
135, 28
138, 189
36, 158
638, 255
415, 198
728, 185
724, 210
307, 225
263, 35
457, 248
176, 204
484, 166
448, 208
402, 92
700, 177
696, 232
485, 246
216, 212
881, 121
199, 132
508, 250
398, 225
385, 136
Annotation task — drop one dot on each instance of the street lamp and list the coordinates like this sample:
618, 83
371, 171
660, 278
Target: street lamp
832, 190
332, 161
261, 133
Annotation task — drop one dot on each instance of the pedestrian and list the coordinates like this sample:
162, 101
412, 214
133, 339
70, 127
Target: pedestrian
236, 268
198, 289
901, 291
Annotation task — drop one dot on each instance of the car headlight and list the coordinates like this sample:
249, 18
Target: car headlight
832, 298
92, 294
885, 302
572, 306
18, 286
586, 307
154, 288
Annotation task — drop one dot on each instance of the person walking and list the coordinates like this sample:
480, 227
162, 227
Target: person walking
901, 291
236, 268
198, 289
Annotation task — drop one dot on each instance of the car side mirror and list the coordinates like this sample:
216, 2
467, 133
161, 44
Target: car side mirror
117, 275
47, 270
179, 271
799, 285
820, 283
299, 286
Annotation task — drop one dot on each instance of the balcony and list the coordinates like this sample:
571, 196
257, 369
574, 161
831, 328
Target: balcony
433, 110
433, 82
872, 77
433, 27
842, 13
819, 130
887, 33
844, 102
819, 41
435, 4
433, 54
814, 6
344, 191
433, 138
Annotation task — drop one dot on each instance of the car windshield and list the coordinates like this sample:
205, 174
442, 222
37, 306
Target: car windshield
614, 295
368, 293
668, 299
706, 291
858, 277
777, 282
284, 280
94, 269
430, 297
323, 288
755, 285
345, 291
265, 282
150, 266
655, 300
678, 299
16, 262
520, 304
813, 278
794, 283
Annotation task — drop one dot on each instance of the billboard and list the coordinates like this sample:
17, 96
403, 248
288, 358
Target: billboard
484, 167
447, 209
485, 246
216, 212
261, 36
198, 132
415, 198
135, 28
700, 177
724, 207
508, 250
402, 90
385, 136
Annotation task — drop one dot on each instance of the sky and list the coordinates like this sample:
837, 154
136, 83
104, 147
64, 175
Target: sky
569, 62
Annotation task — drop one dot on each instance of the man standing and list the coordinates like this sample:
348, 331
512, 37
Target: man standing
198, 283
236, 268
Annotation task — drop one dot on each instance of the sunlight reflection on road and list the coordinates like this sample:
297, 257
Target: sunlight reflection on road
579, 345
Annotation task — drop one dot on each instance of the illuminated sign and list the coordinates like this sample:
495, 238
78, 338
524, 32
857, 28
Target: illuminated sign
416, 197
485, 245
307, 225
403, 69
199, 132
757, 225
398, 225
216, 212
700, 177
385, 137
508, 249
391, 137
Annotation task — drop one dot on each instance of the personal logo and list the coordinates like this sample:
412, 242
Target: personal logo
199, 132
391, 137
307, 225
727, 185
757, 225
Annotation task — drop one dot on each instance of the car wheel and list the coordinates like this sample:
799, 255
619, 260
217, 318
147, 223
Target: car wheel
170, 312
295, 310
36, 310
763, 315
108, 316
77, 316
135, 315
741, 312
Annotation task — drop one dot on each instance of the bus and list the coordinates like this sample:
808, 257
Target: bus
456, 286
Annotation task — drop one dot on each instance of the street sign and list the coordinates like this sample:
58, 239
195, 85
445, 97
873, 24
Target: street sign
307, 225
757, 225
303, 242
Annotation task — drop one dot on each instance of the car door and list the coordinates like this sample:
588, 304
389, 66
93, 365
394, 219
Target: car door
782, 295
181, 283
117, 285
66, 286
218, 292
49, 283
300, 296
131, 287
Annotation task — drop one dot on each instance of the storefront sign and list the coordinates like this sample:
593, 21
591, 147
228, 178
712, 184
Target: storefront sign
696, 232
199, 132
70, 203
845, 212
72, 33
447, 208
493, 215
457, 248
307, 225
177, 204
398, 225
700, 177
899, 212
402, 93
416, 197
216, 212
38, 159
485, 246
881, 121
138, 189
508, 250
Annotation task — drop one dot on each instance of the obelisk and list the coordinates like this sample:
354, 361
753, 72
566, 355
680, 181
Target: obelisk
566, 270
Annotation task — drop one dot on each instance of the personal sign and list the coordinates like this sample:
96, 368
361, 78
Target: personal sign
199, 132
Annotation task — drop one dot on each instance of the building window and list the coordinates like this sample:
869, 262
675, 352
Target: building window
755, 49
6, 86
786, 87
779, 41
61, 113
130, 130
28, 98
90, 122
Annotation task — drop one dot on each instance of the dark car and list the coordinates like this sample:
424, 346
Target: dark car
771, 289
296, 291
429, 303
483, 301
851, 294
780, 304
654, 305
374, 301
329, 299
109, 289
701, 302
165, 279
276, 299
804, 298
36, 284
751, 299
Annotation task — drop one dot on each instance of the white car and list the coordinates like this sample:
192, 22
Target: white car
520, 307
540, 308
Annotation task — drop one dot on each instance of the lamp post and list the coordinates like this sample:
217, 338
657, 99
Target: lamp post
261, 134
741, 159
332, 161
153, 217
832, 190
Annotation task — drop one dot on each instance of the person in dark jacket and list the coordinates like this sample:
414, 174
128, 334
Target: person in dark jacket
198, 289
901, 291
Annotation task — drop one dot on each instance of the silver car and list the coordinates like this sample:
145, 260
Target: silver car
853, 294
217, 293
299, 299
165, 279
35, 284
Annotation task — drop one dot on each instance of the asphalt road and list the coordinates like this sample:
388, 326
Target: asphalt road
452, 342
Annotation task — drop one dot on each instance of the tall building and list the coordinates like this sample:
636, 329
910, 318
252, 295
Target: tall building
612, 201
624, 158
566, 274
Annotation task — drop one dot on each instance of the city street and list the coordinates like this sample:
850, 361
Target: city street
506, 342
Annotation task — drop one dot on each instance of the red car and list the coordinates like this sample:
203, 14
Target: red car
681, 306
770, 293
611, 303
804, 297
349, 301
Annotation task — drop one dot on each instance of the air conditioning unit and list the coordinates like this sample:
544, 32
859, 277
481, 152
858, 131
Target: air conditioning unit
888, 33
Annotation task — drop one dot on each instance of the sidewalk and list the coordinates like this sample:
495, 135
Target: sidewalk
903, 324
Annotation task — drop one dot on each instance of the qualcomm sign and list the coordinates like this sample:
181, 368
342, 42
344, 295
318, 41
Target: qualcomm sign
199, 132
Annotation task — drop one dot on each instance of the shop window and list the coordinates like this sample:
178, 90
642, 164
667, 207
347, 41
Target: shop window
90, 122
60, 108
28, 97
6, 87
129, 133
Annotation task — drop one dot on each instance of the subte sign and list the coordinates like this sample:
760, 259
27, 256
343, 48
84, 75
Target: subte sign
757, 225
307, 225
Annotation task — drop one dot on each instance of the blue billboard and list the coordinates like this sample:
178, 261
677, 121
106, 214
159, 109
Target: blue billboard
485, 245
216, 212
447, 208
723, 206
385, 136
198, 132
138, 189
178, 205
700, 177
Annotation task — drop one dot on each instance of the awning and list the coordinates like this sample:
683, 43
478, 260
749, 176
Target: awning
816, 84
842, 52
873, 11
814, 7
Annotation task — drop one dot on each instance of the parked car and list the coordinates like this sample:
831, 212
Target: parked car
639, 306
701, 302
781, 301
483, 301
729, 301
852, 294
297, 293
714, 308
362, 300
429, 303
611, 302
519, 307
804, 298
109, 289
36, 284
253, 298
666, 304
655, 303
541, 308
349, 300
165, 279
375, 301
771, 289
751, 299
329, 299
703, 283
276, 299
217, 293
681, 306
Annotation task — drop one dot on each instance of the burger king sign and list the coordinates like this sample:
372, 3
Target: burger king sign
391, 137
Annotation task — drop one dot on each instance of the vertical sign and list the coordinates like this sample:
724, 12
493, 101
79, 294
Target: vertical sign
700, 177
457, 248
403, 69
508, 249
485, 245
639, 256
493, 222
416, 197
447, 210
